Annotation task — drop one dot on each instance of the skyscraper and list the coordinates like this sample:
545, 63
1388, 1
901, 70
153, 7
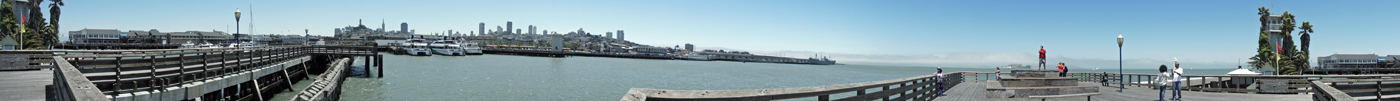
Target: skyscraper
508, 27
532, 29
481, 28
403, 28
609, 35
620, 35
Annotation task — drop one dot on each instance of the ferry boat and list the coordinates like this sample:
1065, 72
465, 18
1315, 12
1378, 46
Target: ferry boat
471, 48
416, 47
446, 47
820, 61
694, 56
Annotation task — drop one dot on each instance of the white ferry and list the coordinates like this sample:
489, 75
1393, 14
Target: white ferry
471, 48
416, 47
446, 47
695, 56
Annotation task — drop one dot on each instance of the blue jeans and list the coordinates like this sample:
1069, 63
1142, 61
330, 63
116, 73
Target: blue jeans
1177, 92
1161, 93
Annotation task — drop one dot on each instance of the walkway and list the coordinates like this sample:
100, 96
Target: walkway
969, 91
25, 85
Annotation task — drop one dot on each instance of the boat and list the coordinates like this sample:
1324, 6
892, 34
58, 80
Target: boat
471, 48
189, 45
446, 47
416, 47
209, 45
821, 61
695, 56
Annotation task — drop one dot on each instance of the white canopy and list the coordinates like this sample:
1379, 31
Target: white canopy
1242, 72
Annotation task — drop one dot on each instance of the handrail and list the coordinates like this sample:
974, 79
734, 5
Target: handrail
1328, 93
316, 92
822, 92
72, 85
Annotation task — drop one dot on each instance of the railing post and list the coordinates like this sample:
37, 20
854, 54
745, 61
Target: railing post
153, 69
182, 67
119, 73
885, 88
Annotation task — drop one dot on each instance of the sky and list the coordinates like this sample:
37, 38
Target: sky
932, 33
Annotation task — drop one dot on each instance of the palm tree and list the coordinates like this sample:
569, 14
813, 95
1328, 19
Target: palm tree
1306, 29
53, 16
1264, 53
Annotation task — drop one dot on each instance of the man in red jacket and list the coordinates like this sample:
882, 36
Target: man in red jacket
1042, 57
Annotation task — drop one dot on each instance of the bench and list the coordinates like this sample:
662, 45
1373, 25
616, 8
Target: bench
1089, 96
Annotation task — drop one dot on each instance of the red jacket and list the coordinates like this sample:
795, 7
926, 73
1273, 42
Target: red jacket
1042, 53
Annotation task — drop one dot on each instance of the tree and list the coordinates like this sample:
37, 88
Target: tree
53, 16
1265, 52
1306, 29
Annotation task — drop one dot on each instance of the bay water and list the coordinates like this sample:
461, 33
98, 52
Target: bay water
576, 78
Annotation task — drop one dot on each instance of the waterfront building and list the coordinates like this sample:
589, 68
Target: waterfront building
689, 47
1357, 61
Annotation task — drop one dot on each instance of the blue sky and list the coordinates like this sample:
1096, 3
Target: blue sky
1203, 34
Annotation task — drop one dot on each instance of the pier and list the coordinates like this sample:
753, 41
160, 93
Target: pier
978, 86
249, 73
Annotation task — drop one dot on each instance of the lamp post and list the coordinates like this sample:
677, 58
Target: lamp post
237, 15
1120, 63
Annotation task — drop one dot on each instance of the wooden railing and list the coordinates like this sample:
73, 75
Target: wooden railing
1356, 89
918, 87
1222, 83
327, 85
71, 85
141, 70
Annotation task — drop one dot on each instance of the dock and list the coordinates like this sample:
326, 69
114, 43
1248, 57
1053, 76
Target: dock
976, 86
242, 73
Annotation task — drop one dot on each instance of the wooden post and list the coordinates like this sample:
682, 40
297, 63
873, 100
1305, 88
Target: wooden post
119, 71
379, 62
182, 68
885, 88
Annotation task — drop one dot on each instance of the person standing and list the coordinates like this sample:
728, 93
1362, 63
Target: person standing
998, 73
1161, 82
1177, 76
940, 81
1061, 67
1042, 57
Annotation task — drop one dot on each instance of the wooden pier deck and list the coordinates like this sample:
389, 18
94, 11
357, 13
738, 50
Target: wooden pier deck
969, 91
25, 85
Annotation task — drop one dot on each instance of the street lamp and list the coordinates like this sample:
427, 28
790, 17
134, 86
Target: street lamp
1120, 63
237, 15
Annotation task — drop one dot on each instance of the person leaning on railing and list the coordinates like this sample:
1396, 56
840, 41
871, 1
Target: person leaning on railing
939, 80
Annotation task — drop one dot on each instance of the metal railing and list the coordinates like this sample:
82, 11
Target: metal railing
918, 87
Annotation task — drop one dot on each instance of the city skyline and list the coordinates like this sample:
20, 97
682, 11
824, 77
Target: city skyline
1206, 34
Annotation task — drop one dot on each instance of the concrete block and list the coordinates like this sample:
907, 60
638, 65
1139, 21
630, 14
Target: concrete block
1038, 82
1034, 73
